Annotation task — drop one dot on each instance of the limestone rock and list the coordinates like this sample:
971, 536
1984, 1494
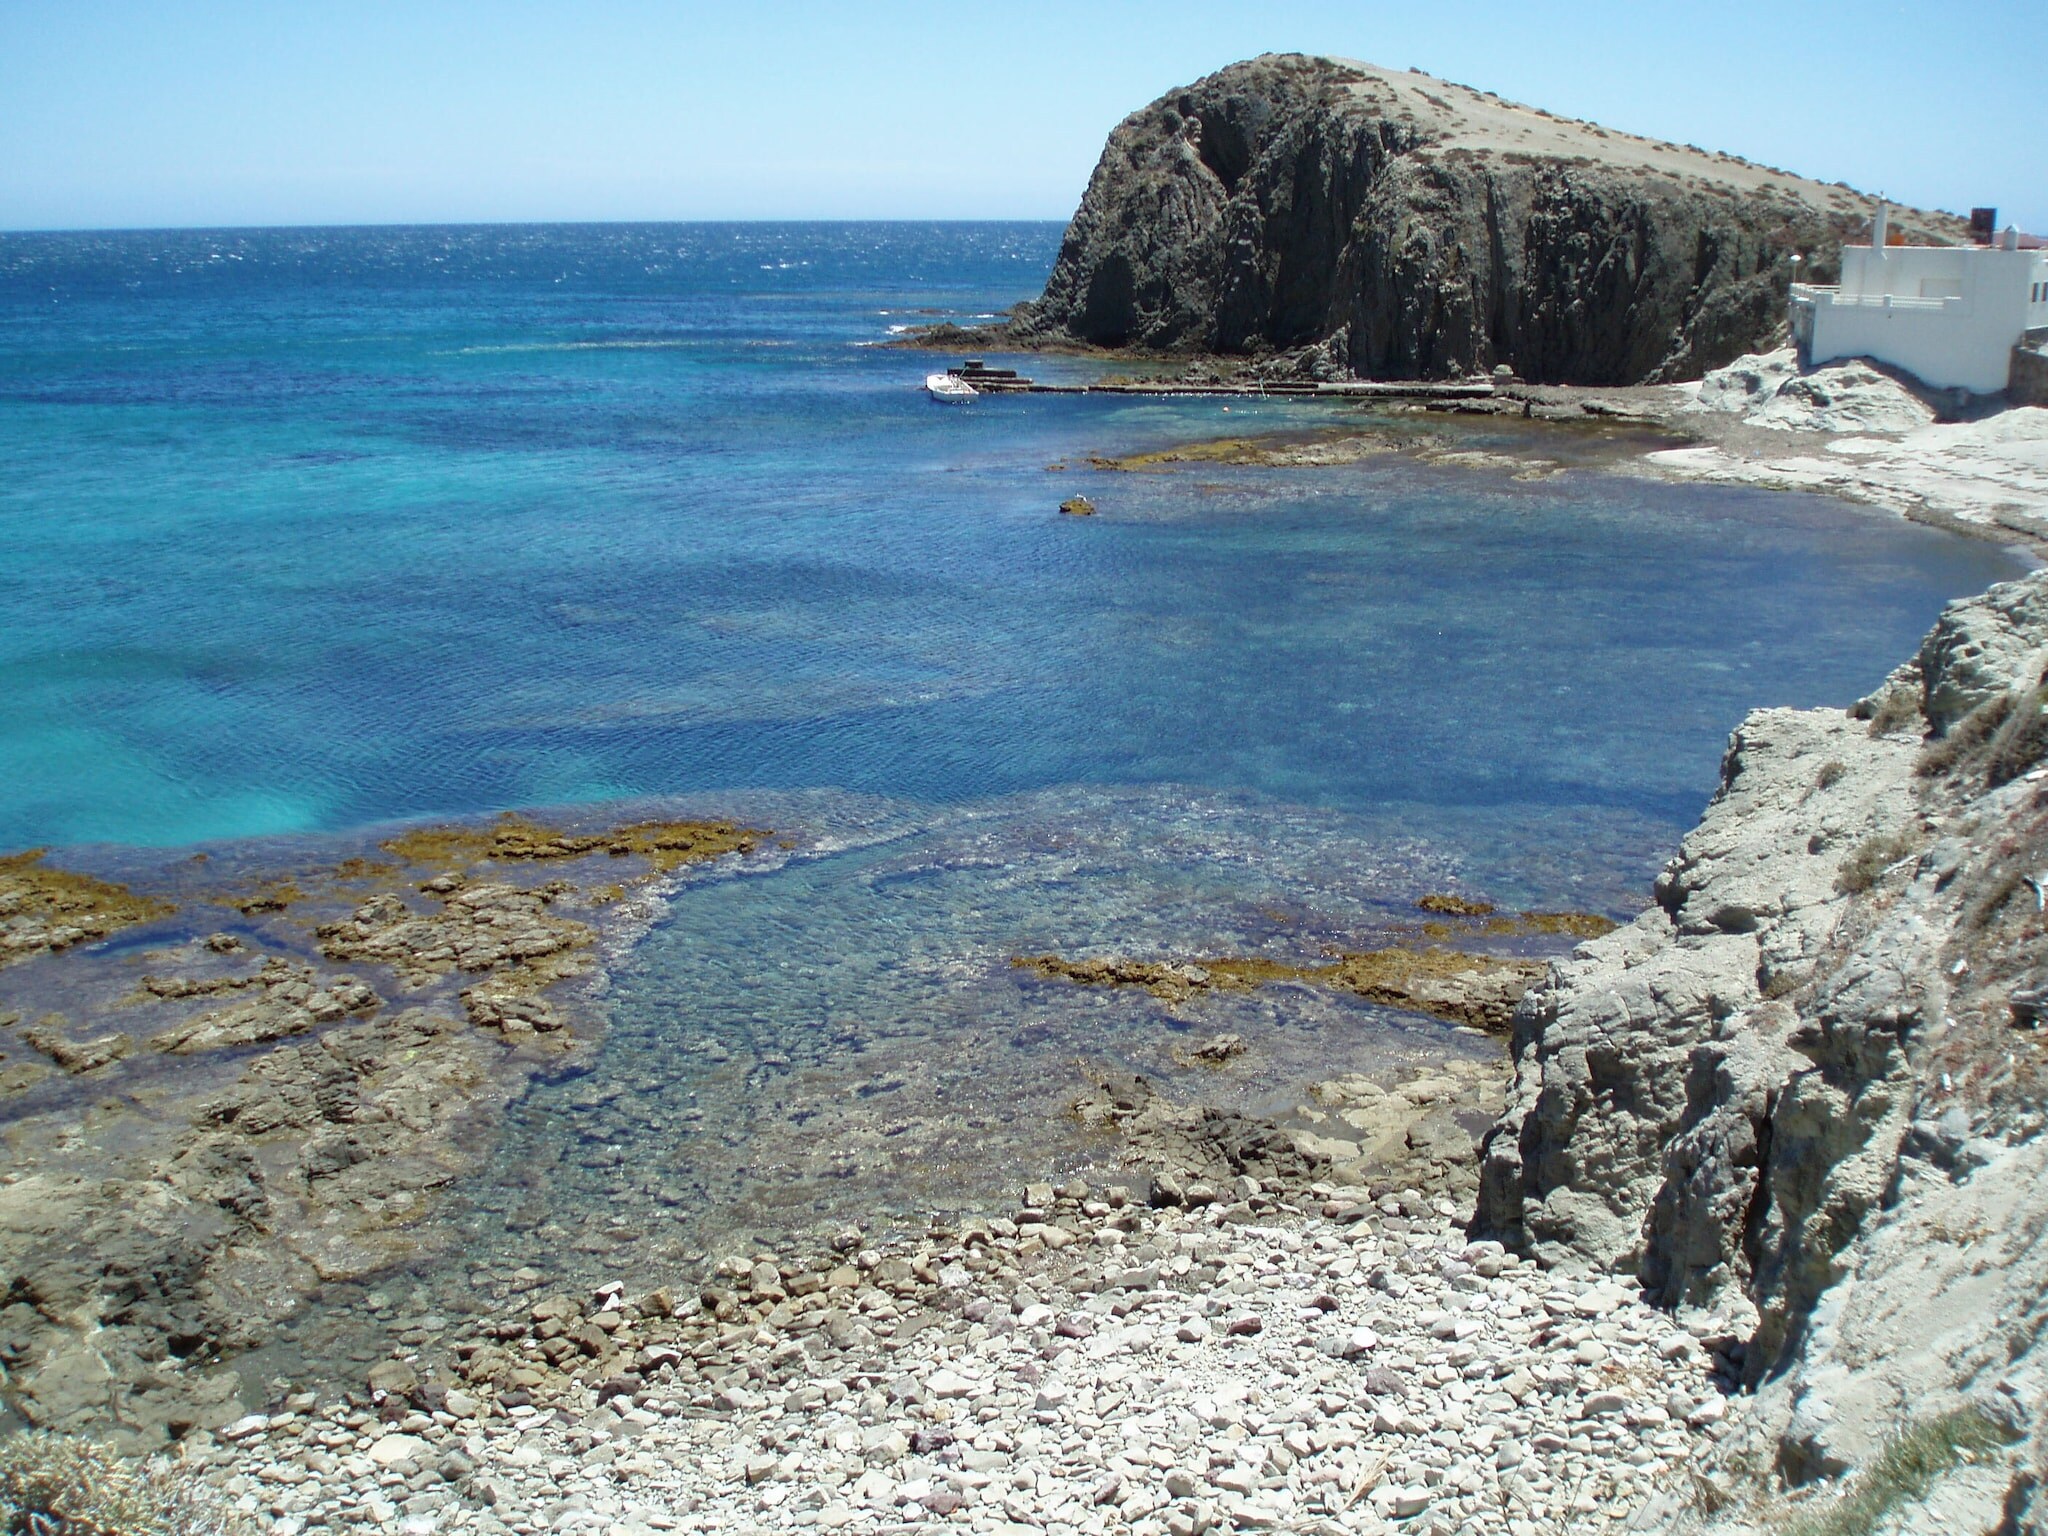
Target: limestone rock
1804, 1108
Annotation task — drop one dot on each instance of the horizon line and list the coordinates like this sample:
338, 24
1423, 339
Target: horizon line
192, 229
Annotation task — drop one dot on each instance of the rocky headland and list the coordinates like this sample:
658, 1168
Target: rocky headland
1334, 219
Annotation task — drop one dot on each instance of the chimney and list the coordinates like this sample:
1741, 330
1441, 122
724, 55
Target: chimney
1880, 226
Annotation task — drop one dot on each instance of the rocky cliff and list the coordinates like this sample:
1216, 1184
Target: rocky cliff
1800, 1098
1389, 225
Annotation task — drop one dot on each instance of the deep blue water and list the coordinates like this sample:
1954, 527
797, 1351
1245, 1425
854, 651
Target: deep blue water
305, 529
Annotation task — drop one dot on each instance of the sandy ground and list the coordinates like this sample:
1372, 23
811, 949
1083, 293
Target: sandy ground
1461, 118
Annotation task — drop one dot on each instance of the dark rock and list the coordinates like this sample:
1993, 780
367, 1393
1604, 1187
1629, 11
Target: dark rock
625, 1385
394, 1378
1348, 221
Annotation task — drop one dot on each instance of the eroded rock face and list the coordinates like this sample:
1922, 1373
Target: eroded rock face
1632, 1041
1790, 1094
1383, 224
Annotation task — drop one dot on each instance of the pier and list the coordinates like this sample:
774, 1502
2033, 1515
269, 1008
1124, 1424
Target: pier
1007, 381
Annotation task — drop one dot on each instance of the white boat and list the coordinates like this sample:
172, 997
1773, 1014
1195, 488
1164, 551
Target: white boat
949, 388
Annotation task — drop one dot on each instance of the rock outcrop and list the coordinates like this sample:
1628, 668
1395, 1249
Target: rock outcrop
1800, 1097
1381, 224
220, 1128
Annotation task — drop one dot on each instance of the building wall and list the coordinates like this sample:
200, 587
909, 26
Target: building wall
2029, 384
1948, 315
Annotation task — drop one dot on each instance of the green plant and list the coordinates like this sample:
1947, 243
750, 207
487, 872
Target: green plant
1904, 1470
53, 1485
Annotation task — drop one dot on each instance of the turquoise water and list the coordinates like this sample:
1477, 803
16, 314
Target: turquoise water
307, 529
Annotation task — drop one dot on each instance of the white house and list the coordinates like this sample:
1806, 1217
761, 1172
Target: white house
1950, 315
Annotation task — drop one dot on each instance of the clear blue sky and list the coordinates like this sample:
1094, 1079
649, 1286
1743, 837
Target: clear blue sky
298, 112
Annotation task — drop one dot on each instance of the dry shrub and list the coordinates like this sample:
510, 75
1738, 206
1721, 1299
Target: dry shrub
1894, 710
1904, 1472
2022, 740
1873, 856
1965, 737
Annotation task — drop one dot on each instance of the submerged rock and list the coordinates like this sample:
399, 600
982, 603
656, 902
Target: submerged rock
44, 909
282, 1131
1480, 990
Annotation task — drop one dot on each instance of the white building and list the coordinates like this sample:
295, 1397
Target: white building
1949, 315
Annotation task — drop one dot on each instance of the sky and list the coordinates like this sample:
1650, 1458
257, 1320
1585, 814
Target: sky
215, 112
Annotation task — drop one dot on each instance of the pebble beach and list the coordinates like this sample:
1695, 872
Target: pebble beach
1341, 1360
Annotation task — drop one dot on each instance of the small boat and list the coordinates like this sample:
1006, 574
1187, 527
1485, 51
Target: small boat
946, 387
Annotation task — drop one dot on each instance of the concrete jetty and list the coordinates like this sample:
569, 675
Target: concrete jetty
1007, 381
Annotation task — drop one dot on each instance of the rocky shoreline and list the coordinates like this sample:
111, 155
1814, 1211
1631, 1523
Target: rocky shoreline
1760, 1206
1800, 1095
1851, 430
1183, 1355
303, 1120
243, 1094
259, 1090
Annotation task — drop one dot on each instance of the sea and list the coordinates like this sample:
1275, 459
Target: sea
307, 531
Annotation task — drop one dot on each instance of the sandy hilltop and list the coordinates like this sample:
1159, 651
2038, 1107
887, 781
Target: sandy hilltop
1728, 1219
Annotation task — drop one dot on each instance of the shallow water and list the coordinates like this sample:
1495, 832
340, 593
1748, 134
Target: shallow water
307, 530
